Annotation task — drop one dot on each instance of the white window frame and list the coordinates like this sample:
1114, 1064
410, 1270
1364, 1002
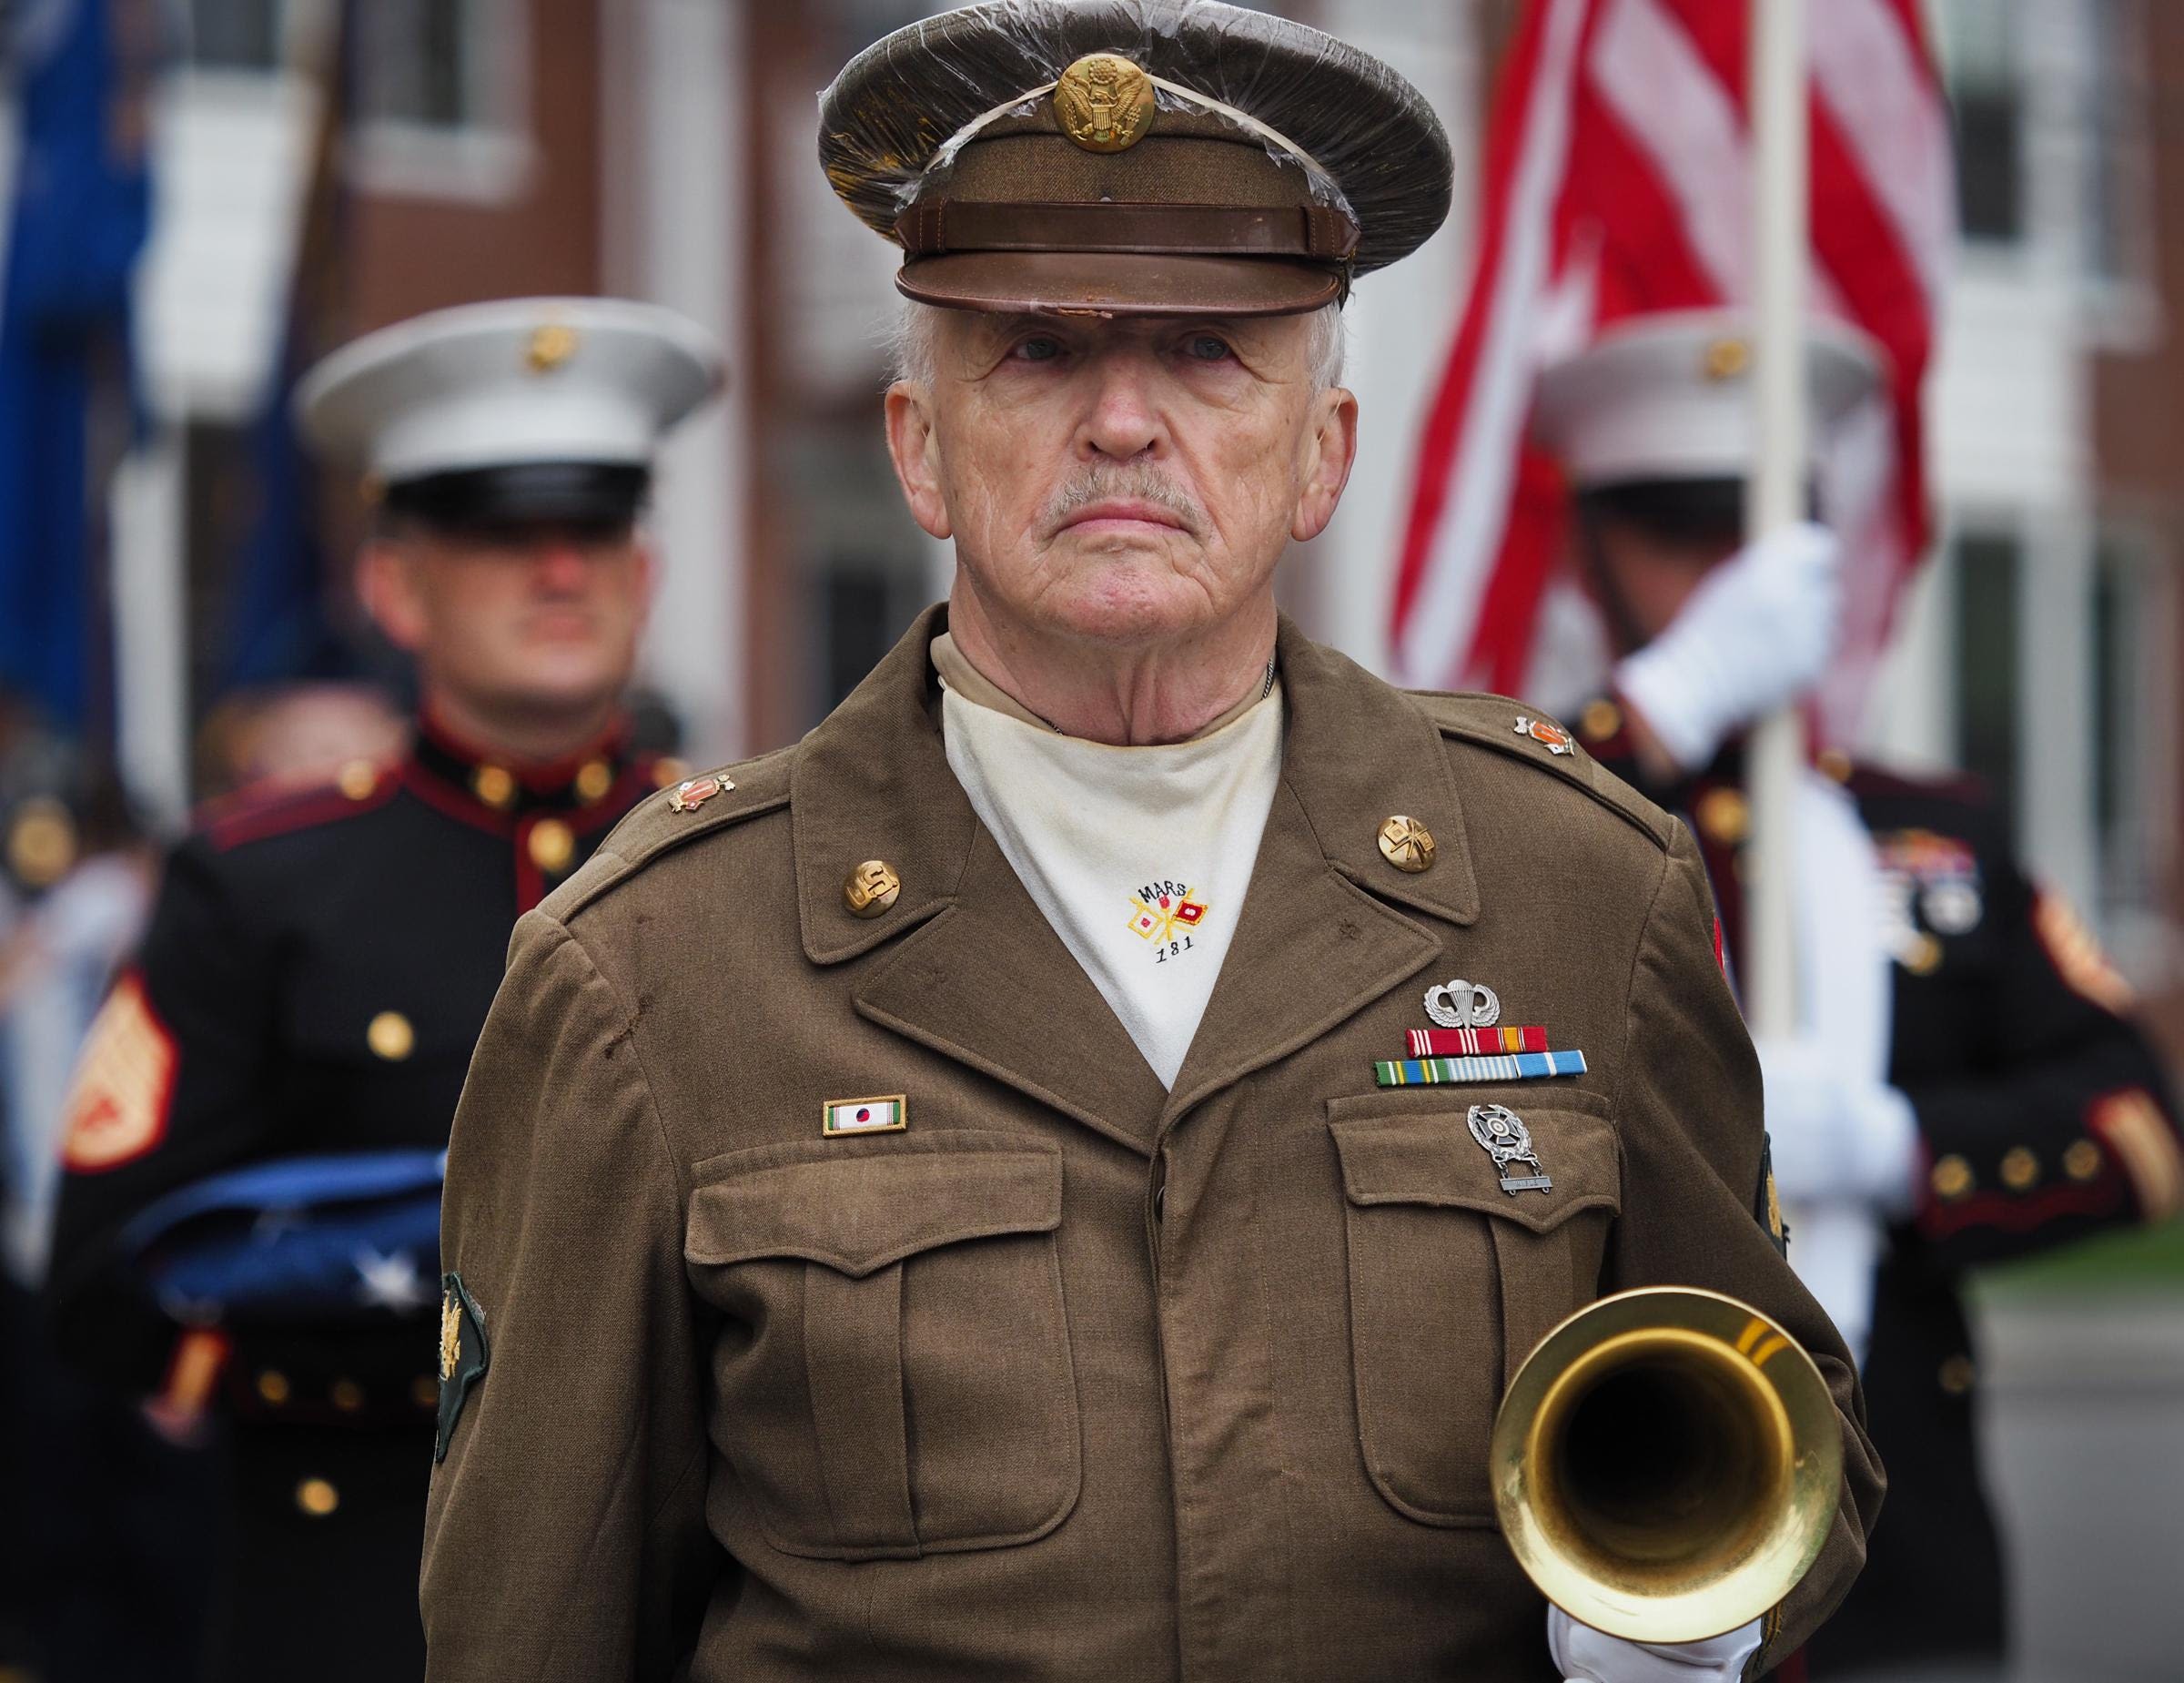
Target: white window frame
491, 159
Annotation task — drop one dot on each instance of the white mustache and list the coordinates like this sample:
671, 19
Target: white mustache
1103, 480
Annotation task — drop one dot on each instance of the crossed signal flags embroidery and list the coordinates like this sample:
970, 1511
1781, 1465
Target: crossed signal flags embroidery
1160, 920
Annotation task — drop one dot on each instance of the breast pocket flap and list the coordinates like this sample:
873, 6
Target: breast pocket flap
1428, 1157
858, 1206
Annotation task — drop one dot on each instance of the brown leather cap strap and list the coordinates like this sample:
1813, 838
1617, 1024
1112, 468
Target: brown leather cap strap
1310, 231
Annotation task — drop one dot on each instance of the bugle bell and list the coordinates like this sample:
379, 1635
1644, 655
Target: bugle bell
1666, 1464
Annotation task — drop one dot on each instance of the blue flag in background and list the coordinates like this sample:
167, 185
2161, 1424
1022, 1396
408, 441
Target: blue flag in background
82, 205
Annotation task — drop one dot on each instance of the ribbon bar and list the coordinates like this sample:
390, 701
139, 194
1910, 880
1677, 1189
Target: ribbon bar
1441, 1071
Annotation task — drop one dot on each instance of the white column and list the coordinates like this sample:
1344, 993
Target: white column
151, 631
676, 192
2055, 703
1401, 323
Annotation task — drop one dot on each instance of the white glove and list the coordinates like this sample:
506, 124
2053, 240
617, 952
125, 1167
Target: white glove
1590, 1656
1837, 1139
1756, 634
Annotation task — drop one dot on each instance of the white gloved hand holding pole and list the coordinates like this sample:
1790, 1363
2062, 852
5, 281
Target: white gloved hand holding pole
1588, 1655
1836, 1136
1756, 635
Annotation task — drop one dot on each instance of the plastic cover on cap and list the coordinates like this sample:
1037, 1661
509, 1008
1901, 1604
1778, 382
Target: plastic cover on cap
1366, 140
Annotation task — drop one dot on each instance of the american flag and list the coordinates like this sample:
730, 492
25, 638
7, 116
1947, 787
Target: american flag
1618, 182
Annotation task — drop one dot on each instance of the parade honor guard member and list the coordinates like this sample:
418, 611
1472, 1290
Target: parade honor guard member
256, 1137
1966, 1089
949, 1199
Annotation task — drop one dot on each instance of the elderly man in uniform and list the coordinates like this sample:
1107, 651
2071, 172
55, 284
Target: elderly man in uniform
1966, 1088
255, 1140
943, 1200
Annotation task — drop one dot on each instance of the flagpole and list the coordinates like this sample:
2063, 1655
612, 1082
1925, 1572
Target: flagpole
1781, 183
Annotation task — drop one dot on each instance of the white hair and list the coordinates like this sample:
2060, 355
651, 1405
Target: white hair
910, 344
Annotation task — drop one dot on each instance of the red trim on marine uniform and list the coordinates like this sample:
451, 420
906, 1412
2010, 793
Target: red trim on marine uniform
546, 778
256, 813
531, 881
2018, 1214
634, 781
460, 805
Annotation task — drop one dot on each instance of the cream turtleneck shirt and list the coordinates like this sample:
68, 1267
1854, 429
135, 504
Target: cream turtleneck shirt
1138, 857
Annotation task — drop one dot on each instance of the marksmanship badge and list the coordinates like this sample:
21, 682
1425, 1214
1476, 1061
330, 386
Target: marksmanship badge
1501, 1131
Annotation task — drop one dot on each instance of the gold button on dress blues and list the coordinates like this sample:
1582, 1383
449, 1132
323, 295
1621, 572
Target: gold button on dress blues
551, 845
873, 887
1724, 817
493, 785
594, 780
1952, 1177
1406, 843
316, 1498
2020, 1169
390, 1037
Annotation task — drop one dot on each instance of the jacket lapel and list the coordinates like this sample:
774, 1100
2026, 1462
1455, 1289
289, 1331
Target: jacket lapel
978, 976
1317, 942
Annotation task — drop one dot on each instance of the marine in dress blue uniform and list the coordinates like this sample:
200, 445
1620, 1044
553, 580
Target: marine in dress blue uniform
249, 1212
2041, 1116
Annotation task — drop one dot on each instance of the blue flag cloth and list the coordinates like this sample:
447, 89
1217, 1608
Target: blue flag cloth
318, 1239
81, 209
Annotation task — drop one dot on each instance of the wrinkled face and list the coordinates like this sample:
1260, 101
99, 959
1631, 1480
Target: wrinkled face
526, 618
1120, 481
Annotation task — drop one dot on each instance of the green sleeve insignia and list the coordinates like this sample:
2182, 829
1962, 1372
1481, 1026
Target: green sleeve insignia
1767, 1208
463, 1356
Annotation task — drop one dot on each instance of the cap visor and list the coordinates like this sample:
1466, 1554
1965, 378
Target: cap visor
577, 493
1116, 283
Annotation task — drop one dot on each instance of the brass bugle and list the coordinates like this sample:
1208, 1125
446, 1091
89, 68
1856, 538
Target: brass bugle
1666, 1464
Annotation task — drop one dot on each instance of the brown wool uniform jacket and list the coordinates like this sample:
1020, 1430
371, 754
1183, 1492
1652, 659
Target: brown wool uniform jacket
1072, 1377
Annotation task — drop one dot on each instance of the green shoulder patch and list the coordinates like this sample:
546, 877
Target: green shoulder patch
1766, 1205
464, 1356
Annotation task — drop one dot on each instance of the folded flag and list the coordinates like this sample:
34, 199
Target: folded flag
1513, 1067
320, 1240
1476, 1042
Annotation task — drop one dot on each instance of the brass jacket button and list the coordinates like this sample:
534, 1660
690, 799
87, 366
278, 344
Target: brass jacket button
873, 887
1406, 843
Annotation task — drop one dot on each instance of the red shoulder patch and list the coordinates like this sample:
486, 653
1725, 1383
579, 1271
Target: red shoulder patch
125, 1080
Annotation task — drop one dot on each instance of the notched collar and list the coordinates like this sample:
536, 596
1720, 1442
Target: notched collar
871, 782
1359, 753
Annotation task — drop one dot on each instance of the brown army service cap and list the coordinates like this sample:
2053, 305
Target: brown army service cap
1132, 157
